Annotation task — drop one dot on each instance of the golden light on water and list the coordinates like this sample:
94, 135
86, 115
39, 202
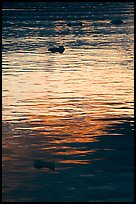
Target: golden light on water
65, 99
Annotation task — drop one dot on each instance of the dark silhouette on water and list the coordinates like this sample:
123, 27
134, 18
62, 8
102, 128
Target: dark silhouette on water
59, 49
117, 21
38, 164
73, 23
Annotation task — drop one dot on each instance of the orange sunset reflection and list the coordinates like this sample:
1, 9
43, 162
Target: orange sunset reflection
55, 135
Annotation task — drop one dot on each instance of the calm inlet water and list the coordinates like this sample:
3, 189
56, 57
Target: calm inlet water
74, 108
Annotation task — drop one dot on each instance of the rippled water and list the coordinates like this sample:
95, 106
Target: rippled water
75, 108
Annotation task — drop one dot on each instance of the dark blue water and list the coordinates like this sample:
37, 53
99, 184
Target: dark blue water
75, 108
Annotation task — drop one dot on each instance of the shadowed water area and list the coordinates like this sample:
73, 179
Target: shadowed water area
75, 109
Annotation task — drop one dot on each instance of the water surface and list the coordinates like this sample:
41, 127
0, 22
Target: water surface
75, 108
